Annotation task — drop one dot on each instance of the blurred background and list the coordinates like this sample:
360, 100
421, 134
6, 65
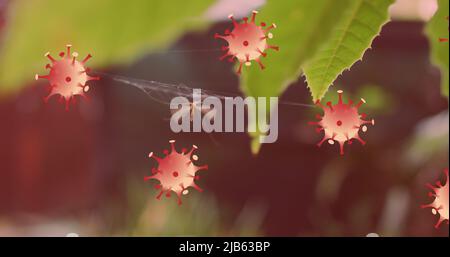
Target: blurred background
82, 171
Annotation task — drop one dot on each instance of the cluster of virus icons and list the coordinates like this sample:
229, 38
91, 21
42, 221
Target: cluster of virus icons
176, 171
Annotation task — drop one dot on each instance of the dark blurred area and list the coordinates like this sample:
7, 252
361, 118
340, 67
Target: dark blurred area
84, 168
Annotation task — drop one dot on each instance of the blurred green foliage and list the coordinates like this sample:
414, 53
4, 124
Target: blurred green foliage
438, 28
113, 31
322, 38
199, 215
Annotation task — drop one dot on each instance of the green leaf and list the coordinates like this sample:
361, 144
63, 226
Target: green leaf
351, 37
304, 27
437, 29
112, 30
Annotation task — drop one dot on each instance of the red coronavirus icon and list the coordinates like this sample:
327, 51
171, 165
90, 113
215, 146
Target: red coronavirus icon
176, 171
341, 122
440, 203
67, 77
247, 42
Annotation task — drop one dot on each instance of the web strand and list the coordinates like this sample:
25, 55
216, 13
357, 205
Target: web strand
163, 92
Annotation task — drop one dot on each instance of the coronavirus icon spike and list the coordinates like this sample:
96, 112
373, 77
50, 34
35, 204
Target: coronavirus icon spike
440, 203
247, 41
67, 76
176, 172
341, 122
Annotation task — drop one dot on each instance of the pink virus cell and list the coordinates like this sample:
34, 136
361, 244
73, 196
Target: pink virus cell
67, 77
247, 42
440, 202
341, 122
176, 172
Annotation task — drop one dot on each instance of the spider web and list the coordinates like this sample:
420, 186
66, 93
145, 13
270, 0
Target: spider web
163, 93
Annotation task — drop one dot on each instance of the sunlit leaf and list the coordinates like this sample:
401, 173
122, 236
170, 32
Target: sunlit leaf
351, 37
